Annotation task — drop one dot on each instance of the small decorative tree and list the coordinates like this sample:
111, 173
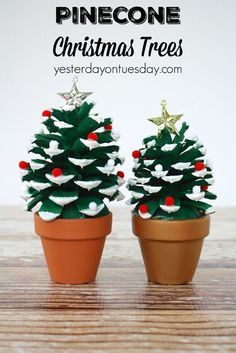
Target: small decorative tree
171, 173
170, 219
72, 162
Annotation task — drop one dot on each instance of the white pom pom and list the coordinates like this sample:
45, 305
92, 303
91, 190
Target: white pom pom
115, 135
196, 189
93, 206
158, 168
111, 162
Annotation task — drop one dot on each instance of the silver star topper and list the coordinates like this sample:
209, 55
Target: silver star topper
75, 97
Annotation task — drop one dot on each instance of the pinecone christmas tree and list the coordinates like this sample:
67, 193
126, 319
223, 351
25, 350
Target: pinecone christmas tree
72, 162
172, 175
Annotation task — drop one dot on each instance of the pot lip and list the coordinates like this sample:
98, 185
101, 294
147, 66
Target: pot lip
73, 229
176, 230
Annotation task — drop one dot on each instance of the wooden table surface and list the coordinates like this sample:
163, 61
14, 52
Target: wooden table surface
121, 311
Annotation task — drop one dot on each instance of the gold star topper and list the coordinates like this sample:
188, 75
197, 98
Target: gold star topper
166, 120
75, 97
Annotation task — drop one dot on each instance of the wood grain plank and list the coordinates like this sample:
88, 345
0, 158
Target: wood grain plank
30, 288
121, 311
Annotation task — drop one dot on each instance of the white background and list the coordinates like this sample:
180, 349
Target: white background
204, 92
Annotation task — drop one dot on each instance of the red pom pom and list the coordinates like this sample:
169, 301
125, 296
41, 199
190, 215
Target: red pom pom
56, 172
199, 166
23, 165
120, 174
47, 113
204, 187
108, 127
143, 208
136, 154
169, 201
92, 136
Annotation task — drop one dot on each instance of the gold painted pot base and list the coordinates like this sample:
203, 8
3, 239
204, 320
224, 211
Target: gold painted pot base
171, 249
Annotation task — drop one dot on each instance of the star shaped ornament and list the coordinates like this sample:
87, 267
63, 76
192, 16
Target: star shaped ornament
166, 120
74, 98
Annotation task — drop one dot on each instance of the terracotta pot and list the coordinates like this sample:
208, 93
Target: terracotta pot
171, 249
73, 247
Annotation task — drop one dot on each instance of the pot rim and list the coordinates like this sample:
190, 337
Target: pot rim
73, 229
176, 230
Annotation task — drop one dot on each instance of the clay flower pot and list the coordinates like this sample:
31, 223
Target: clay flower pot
73, 247
171, 249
